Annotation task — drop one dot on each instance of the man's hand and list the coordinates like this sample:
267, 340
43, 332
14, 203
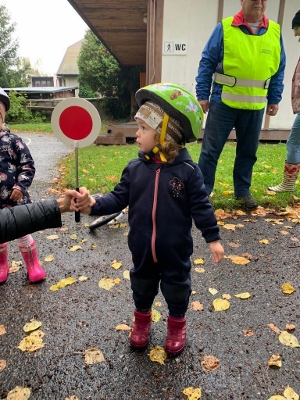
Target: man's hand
272, 109
204, 104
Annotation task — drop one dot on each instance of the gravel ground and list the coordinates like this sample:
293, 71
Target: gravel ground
82, 316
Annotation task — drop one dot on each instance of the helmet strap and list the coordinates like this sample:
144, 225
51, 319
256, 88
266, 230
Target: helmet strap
157, 149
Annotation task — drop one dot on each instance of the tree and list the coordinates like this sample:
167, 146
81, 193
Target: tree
8, 48
101, 75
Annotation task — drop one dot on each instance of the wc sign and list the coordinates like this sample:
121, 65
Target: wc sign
175, 48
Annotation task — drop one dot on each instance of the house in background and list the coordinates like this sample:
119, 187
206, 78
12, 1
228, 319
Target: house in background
67, 73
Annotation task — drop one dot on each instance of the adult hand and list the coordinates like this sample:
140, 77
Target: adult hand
272, 109
16, 195
204, 104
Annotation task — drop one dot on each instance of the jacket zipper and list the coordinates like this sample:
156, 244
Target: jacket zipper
154, 206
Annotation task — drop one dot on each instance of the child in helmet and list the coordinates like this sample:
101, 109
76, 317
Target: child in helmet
16, 174
164, 190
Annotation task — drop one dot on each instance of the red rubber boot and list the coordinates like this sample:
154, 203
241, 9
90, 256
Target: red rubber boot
139, 337
30, 257
4, 264
175, 341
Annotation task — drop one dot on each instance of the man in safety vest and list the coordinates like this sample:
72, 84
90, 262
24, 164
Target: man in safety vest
240, 74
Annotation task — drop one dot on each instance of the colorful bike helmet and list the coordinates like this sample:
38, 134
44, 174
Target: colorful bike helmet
5, 99
178, 103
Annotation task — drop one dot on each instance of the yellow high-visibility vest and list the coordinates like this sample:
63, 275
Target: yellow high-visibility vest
249, 63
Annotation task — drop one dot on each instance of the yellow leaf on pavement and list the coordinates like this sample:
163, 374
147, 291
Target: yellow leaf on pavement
32, 342
230, 227
277, 397
62, 283
264, 241
274, 328
221, 304
158, 354
75, 248
2, 365
52, 237
212, 291
126, 274
49, 258
288, 339
19, 393
200, 270
107, 283
83, 278
116, 264
287, 288
196, 306
73, 236
2, 330
290, 394
156, 315
275, 361
93, 356
243, 296
32, 325
199, 261
210, 363
123, 327
238, 259
192, 393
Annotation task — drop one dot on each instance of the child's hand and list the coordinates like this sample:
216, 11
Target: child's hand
217, 251
16, 195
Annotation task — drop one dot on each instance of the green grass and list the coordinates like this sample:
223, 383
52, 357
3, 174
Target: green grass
100, 168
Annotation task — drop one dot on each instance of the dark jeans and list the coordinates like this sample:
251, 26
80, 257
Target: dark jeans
220, 121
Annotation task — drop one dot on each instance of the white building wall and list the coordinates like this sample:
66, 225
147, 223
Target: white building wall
190, 23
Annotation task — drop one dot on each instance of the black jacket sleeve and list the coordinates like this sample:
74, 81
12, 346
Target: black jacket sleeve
21, 220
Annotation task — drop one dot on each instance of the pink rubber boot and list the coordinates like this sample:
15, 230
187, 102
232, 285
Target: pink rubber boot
30, 257
139, 337
4, 264
175, 341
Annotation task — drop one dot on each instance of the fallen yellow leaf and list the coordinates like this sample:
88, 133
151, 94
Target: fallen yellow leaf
126, 275
32, 325
158, 354
200, 270
75, 248
199, 261
49, 258
212, 291
123, 327
275, 361
290, 394
288, 339
287, 288
2, 365
93, 356
221, 304
156, 315
52, 237
192, 393
196, 306
62, 283
243, 296
264, 241
238, 259
210, 363
116, 264
19, 393
107, 283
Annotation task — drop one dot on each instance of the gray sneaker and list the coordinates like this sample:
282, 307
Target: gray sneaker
248, 201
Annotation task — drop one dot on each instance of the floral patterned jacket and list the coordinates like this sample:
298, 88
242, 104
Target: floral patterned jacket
16, 168
296, 89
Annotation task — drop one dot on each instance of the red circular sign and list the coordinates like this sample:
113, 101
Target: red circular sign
75, 122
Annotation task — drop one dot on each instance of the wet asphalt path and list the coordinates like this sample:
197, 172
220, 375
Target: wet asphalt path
82, 316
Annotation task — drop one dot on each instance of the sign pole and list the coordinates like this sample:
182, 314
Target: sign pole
77, 213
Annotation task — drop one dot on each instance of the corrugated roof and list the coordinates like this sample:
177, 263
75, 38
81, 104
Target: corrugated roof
46, 89
69, 66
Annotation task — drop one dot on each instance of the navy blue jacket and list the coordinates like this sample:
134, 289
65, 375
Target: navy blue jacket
163, 201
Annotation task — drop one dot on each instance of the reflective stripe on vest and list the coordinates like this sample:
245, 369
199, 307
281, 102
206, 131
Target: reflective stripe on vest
248, 64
